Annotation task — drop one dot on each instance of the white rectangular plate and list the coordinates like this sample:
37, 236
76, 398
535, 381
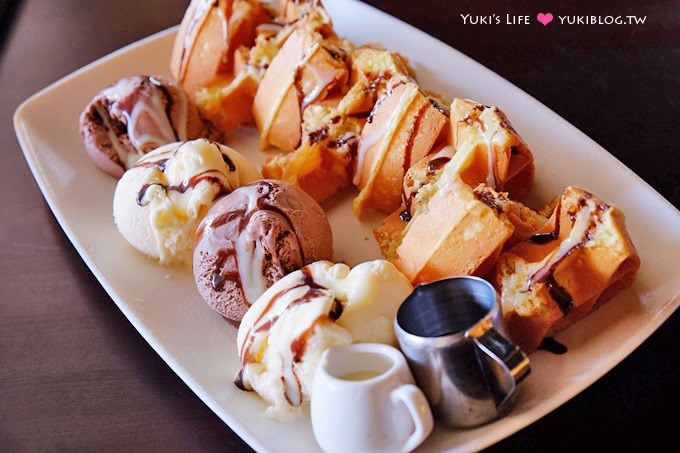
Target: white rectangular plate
164, 306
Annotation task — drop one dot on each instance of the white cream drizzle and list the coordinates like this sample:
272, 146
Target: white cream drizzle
288, 83
225, 26
250, 250
577, 238
128, 159
276, 312
491, 179
151, 106
445, 151
291, 382
199, 15
143, 138
323, 79
368, 140
249, 257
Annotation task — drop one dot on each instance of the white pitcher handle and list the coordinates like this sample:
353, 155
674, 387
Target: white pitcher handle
419, 410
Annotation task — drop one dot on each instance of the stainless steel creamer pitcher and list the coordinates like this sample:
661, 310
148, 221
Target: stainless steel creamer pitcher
452, 334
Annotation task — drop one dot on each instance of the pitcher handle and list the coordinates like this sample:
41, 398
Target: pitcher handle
419, 410
508, 356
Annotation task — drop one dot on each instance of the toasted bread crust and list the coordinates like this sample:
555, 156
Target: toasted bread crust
547, 285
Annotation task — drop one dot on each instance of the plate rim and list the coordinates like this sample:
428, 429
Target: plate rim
22, 131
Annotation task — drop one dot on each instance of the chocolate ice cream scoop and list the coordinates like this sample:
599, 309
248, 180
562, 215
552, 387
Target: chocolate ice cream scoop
251, 238
135, 115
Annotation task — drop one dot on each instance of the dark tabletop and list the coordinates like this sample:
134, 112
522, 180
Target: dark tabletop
76, 376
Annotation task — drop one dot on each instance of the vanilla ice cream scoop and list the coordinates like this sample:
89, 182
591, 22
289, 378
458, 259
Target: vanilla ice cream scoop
283, 334
159, 202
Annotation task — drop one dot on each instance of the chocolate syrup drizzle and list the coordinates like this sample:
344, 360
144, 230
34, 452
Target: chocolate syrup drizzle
551, 345
433, 166
415, 127
318, 135
322, 86
489, 200
439, 107
346, 139
436, 164
242, 216
212, 176
473, 117
376, 81
266, 321
373, 87
405, 215
544, 238
220, 276
558, 293
141, 109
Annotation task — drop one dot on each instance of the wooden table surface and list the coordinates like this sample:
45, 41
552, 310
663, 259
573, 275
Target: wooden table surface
76, 376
